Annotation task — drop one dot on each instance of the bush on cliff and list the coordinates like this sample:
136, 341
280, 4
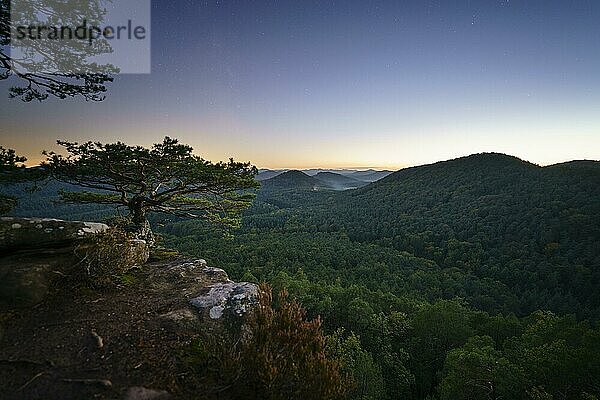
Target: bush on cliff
277, 354
108, 255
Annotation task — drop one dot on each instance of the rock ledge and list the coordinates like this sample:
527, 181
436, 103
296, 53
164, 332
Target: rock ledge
18, 233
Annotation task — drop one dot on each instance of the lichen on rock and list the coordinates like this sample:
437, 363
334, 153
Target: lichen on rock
226, 296
207, 290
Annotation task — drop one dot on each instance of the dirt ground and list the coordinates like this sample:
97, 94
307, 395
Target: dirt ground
95, 344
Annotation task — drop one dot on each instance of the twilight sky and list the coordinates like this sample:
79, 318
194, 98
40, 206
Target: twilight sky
291, 84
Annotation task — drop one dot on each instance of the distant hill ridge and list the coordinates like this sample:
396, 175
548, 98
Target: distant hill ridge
484, 165
369, 175
339, 182
295, 179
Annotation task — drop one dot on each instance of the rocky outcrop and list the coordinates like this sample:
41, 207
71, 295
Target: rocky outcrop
231, 297
122, 340
205, 291
26, 281
27, 233
36, 251
129, 342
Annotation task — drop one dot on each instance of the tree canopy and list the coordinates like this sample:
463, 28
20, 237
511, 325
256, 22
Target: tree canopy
166, 178
11, 170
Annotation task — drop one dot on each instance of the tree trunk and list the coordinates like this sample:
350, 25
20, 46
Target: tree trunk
141, 226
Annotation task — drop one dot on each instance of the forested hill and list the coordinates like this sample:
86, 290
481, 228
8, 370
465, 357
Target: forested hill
299, 181
369, 175
292, 180
339, 182
445, 272
534, 229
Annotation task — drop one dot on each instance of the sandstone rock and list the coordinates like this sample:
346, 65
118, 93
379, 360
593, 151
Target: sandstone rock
205, 289
181, 318
180, 315
235, 298
136, 252
186, 277
27, 233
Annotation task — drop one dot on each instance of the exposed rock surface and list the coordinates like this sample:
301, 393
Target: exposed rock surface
209, 290
134, 335
138, 251
231, 297
25, 280
19, 233
36, 251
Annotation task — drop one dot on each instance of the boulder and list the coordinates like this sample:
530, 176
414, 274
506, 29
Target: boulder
208, 291
30, 233
226, 297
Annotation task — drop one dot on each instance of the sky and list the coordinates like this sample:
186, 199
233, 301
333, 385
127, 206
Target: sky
347, 84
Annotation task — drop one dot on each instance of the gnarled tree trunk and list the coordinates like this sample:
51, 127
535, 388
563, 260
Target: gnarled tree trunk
140, 224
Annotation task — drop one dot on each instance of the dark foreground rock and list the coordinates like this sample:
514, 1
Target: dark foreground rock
35, 252
125, 343
25, 280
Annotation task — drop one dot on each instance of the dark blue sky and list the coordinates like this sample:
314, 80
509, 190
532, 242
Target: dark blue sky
349, 83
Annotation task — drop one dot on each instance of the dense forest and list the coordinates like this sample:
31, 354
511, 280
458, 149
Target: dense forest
475, 278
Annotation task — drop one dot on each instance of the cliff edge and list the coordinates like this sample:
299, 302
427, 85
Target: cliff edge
62, 339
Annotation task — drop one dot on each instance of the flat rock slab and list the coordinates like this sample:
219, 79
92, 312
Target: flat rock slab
31, 233
26, 277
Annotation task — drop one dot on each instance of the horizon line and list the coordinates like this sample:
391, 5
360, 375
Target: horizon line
392, 168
